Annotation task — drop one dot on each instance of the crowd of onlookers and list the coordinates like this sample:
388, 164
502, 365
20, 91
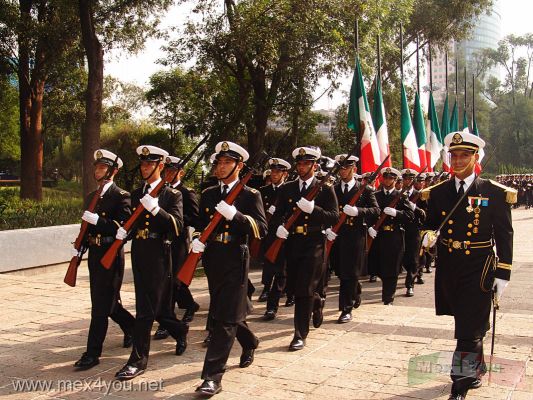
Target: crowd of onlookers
521, 182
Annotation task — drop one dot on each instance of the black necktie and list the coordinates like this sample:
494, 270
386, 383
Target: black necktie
303, 187
225, 190
345, 188
461, 190
145, 190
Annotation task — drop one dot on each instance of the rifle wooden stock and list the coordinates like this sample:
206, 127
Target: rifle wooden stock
186, 272
273, 251
72, 271
343, 216
111, 253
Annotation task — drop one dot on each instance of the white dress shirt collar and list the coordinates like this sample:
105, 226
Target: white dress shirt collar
468, 181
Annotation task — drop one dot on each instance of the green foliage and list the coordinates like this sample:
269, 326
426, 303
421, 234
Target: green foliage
9, 123
59, 207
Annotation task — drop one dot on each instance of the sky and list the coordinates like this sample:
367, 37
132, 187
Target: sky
516, 19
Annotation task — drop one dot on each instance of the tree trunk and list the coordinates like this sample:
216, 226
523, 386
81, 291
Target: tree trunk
31, 92
256, 137
90, 135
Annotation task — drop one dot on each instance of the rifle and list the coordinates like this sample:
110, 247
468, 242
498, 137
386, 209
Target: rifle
392, 204
186, 272
273, 251
352, 202
72, 271
255, 244
111, 253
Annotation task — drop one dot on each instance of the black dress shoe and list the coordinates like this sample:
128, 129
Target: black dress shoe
188, 315
263, 296
429, 270
269, 315
127, 340
476, 384
296, 344
181, 345
357, 302
373, 278
160, 334
457, 396
209, 388
410, 292
290, 301
247, 358
388, 303
207, 340
318, 315
419, 280
344, 317
86, 361
128, 372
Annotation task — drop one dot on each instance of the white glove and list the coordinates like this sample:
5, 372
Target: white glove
282, 233
350, 210
91, 218
330, 235
372, 232
305, 205
73, 252
412, 205
499, 286
271, 210
390, 211
197, 246
429, 240
121, 234
150, 204
226, 210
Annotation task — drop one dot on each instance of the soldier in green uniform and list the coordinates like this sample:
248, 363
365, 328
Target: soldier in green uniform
467, 268
113, 209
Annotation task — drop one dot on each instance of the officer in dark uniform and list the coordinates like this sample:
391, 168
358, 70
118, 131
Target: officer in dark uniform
181, 295
411, 256
160, 222
273, 273
305, 244
386, 254
113, 209
347, 256
466, 267
226, 259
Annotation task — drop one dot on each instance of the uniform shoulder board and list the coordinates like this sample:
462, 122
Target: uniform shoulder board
123, 192
253, 190
175, 191
205, 190
511, 195
426, 191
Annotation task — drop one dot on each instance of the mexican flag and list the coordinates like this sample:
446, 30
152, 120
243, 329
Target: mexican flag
411, 158
360, 121
445, 129
420, 131
465, 122
380, 123
435, 141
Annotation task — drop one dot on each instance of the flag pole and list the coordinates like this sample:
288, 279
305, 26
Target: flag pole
466, 105
473, 101
446, 62
417, 65
379, 57
456, 79
401, 51
430, 68
360, 135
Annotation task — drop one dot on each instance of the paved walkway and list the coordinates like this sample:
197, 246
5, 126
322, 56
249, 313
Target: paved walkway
43, 329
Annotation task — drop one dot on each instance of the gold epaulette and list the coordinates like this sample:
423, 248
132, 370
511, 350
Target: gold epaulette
425, 192
123, 192
511, 195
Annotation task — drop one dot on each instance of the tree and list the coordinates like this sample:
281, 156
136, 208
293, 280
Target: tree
9, 125
105, 24
276, 51
34, 33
